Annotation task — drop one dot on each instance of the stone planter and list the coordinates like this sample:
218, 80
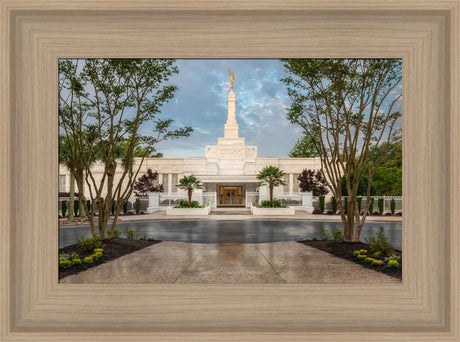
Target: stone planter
273, 211
188, 211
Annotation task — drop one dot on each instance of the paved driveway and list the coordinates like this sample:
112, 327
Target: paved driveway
229, 263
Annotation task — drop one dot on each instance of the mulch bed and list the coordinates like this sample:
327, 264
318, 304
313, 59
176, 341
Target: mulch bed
114, 249
344, 250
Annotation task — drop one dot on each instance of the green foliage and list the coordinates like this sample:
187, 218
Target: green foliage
337, 235
362, 251
359, 201
151, 239
189, 183
125, 207
90, 243
321, 202
393, 264
98, 250
64, 256
65, 263
267, 204
137, 206
356, 253
377, 262
192, 204
377, 255
333, 204
393, 257
88, 205
371, 206
116, 233
380, 243
88, 260
96, 256
392, 206
63, 208
76, 207
380, 205
305, 147
307, 240
369, 260
362, 256
362, 186
345, 204
130, 233
324, 234
76, 261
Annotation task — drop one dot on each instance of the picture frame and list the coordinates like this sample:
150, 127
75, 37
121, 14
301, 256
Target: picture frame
36, 33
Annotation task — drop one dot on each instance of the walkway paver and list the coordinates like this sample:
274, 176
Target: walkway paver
229, 263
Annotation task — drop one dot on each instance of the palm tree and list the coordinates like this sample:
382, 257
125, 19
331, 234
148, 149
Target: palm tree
271, 176
189, 183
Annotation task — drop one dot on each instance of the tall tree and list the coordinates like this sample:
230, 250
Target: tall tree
304, 148
189, 183
271, 176
348, 107
104, 103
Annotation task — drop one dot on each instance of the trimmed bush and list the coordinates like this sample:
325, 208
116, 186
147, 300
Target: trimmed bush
91, 243
392, 206
362, 251
116, 233
88, 260
137, 206
88, 205
362, 257
96, 256
125, 208
393, 264
112, 208
377, 262
130, 233
380, 205
369, 260
356, 253
76, 262
337, 235
324, 234
371, 206
76, 207
345, 206
359, 201
63, 208
98, 250
333, 204
65, 264
380, 243
377, 254
321, 202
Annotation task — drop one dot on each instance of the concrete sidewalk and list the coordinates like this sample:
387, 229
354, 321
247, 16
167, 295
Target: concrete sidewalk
229, 263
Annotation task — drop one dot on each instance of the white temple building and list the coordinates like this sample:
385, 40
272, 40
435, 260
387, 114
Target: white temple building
228, 170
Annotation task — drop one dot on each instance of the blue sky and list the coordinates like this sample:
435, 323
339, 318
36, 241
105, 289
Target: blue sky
201, 102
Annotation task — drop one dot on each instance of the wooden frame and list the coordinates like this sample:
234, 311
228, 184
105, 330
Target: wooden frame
35, 33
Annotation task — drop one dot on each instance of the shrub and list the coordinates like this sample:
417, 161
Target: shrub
137, 206
64, 256
88, 260
317, 212
75, 255
116, 233
125, 208
345, 204
76, 207
392, 206
359, 201
130, 233
96, 256
377, 254
91, 243
307, 240
151, 239
369, 260
76, 261
98, 250
393, 264
88, 205
321, 202
324, 235
377, 262
112, 208
356, 253
379, 243
362, 257
337, 235
333, 204
371, 206
362, 251
65, 263
315, 239
393, 257
380, 205
63, 208
277, 204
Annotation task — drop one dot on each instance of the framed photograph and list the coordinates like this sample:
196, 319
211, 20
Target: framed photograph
37, 34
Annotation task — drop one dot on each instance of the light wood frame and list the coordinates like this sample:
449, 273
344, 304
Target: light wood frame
35, 33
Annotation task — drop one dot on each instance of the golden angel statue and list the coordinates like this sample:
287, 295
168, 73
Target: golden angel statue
231, 78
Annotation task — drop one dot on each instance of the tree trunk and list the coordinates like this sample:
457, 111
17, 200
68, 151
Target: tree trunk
271, 195
71, 195
189, 197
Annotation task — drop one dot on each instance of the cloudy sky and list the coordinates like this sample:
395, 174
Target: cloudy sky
201, 102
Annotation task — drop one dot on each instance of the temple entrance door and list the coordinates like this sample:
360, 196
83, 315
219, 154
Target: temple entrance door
231, 196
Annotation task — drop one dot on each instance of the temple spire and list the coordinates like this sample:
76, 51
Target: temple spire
231, 127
